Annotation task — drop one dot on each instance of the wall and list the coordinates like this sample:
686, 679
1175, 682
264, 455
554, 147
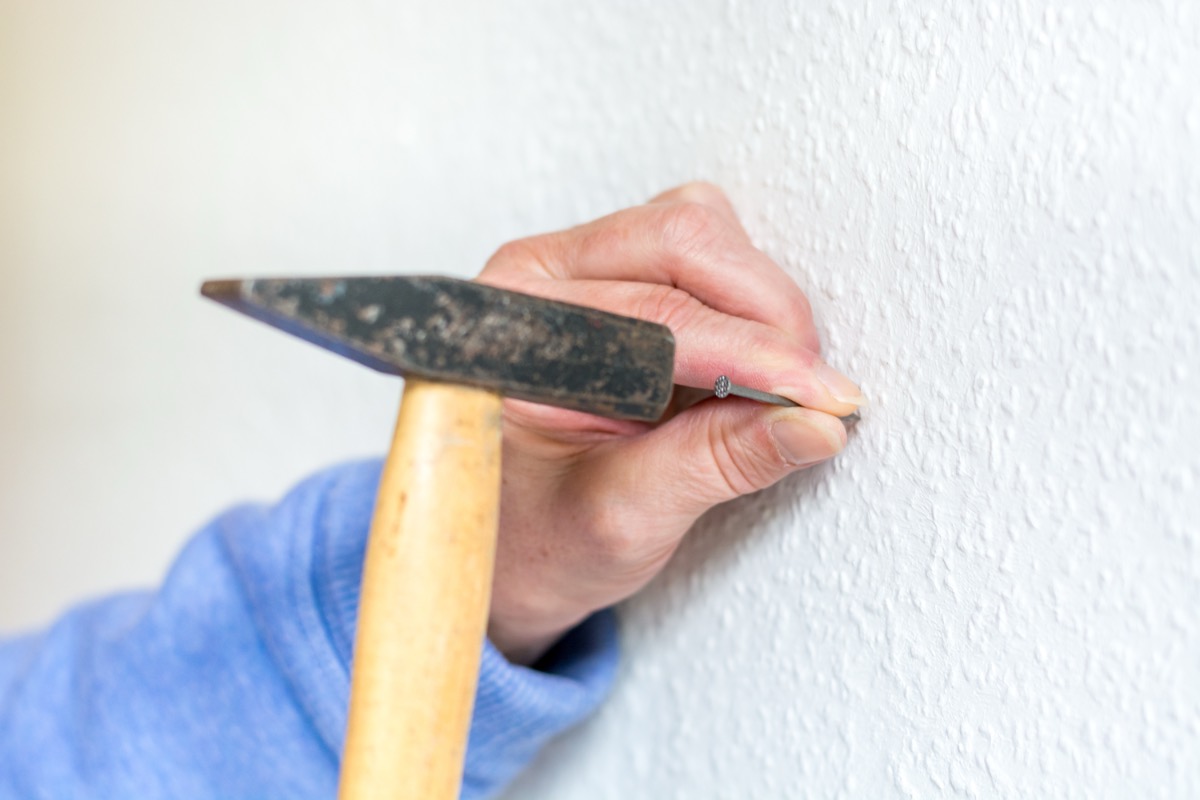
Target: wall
996, 213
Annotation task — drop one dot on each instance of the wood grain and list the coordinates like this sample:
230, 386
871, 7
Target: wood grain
426, 588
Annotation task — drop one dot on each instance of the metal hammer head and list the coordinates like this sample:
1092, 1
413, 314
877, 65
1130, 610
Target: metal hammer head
468, 333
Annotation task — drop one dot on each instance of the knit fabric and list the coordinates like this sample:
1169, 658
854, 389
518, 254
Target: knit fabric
232, 680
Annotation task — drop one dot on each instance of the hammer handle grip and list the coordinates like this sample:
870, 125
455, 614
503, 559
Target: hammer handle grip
425, 594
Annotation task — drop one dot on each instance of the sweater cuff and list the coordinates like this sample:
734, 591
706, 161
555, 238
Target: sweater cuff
518, 709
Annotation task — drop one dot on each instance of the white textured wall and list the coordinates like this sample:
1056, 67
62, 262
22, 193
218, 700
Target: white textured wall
994, 591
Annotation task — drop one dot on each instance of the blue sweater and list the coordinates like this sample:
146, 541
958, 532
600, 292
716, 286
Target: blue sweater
232, 680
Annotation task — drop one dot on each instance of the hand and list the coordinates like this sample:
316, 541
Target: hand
591, 509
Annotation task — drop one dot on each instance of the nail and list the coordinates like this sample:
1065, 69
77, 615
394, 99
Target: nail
839, 386
725, 388
801, 443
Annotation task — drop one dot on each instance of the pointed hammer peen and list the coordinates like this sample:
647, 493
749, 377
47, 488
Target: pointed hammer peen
462, 346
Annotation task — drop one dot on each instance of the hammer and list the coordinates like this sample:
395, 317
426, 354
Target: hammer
427, 578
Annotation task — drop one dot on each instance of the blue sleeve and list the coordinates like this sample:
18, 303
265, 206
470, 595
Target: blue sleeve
232, 680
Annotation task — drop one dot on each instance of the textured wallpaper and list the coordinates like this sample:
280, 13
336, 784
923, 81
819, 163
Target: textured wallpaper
996, 590
996, 212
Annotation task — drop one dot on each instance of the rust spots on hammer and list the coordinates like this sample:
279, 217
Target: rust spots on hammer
469, 333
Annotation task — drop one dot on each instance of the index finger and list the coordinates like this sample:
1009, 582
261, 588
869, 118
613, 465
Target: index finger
687, 245
706, 194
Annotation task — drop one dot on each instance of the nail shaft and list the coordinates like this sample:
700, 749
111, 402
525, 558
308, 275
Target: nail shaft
726, 388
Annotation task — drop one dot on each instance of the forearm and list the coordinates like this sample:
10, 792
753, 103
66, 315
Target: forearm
159, 694
232, 679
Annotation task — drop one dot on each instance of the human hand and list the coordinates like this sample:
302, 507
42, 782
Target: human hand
591, 508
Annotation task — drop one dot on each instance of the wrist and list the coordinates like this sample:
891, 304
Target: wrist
524, 641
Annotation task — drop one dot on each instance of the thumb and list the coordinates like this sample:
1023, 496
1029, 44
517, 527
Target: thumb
718, 450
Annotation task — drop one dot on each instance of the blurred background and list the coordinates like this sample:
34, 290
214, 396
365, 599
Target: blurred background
149, 146
995, 210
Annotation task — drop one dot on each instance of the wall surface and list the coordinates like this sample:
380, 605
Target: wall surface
996, 212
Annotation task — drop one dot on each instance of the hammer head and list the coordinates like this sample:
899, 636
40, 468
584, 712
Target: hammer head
467, 333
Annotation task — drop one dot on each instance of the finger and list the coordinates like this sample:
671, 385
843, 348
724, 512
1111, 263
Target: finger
686, 245
717, 451
571, 428
709, 343
706, 194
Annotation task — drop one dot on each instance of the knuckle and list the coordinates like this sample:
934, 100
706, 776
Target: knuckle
702, 192
615, 539
519, 255
668, 305
688, 227
624, 542
619, 545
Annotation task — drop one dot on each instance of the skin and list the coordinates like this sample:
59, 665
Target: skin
592, 509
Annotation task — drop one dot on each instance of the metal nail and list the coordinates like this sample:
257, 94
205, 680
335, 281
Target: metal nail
726, 388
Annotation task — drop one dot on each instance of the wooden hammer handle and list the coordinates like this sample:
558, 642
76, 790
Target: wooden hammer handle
425, 593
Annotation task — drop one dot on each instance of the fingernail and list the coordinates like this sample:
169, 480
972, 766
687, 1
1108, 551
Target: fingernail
802, 443
839, 386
